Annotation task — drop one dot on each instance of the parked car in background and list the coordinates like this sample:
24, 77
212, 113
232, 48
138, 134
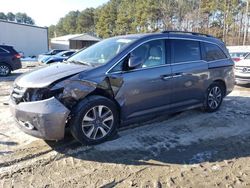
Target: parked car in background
43, 57
242, 71
61, 56
9, 60
237, 56
123, 80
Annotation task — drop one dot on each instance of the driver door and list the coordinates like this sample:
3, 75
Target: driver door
146, 88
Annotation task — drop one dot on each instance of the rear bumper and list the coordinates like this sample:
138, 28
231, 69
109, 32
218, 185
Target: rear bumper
16, 64
44, 119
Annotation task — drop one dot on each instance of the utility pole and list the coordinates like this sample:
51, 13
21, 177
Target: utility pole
246, 24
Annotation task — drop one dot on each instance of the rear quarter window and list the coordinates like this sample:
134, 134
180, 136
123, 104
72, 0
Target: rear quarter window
185, 50
213, 52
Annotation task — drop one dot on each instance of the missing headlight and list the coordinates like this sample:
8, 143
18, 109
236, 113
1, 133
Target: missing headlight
42, 94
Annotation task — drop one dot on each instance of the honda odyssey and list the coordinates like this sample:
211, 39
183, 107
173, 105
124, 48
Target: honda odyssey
122, 80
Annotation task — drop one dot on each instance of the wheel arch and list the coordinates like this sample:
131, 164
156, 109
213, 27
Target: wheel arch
223, 83
105, 93
3, 62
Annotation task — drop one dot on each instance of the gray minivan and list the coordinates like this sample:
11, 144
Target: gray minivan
123, 80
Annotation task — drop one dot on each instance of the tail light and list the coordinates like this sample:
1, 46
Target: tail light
236, 59
18, 56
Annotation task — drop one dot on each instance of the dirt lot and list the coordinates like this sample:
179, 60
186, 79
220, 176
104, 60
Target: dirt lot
190, 149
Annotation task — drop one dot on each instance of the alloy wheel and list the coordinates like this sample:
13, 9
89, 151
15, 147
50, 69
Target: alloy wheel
4, 70
97, 122
214, 97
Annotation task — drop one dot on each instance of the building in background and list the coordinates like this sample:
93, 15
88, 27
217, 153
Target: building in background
76, 41
26, 39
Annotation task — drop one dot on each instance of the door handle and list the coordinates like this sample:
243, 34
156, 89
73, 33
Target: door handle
166, 77
177, 75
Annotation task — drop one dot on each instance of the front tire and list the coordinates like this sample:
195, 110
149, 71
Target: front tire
94, 120
5, 69
214, 97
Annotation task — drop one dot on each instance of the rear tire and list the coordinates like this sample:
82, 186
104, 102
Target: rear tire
94, 120
214, 97
5, 69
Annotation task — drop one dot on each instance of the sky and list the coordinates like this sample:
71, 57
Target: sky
47, 12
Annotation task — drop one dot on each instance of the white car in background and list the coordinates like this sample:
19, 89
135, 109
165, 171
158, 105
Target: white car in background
237, 56
242, 71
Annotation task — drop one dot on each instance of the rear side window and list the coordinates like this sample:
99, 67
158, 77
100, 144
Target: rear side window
213, 52
185, 50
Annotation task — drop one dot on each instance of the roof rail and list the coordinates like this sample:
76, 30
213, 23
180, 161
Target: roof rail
187, 32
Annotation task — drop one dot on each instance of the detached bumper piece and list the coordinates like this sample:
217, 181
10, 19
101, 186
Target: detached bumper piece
44, 119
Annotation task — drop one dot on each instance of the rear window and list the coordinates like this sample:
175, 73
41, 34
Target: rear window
213, 52
2, 50
186, 50
9, 49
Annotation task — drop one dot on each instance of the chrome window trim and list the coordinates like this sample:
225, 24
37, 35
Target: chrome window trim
188, 62
168, 64
140, 69
218, 60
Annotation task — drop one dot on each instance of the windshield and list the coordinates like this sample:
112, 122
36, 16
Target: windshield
101, 52
49, 52
61, 53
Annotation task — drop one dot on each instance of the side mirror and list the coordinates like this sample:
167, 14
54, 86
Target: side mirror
134, 61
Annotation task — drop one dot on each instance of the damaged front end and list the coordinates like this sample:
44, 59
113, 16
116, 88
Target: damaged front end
43, 119
39, 112
44, 112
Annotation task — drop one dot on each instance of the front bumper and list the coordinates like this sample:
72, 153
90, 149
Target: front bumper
242, 78
242, 81
44, 119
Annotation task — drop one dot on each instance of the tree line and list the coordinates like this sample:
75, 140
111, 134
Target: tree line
18, 17
225, 19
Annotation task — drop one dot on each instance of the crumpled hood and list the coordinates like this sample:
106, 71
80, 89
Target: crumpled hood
45, 76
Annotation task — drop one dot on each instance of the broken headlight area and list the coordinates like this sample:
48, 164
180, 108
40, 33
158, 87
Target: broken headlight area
34, 94
68, 92
18, 93
43, 93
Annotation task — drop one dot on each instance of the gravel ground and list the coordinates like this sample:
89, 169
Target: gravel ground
189, 149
